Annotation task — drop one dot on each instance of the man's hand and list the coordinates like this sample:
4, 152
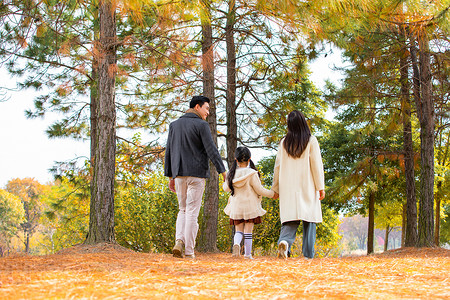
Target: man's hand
224, 176
275, 196
172, 185
321, 194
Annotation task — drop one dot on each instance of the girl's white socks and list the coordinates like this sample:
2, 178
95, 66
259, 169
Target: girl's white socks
238, 237
248, 240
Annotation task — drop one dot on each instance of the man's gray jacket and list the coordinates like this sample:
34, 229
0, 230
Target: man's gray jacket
188, 147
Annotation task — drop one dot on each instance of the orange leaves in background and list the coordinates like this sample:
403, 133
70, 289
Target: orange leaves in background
64, 49
26, 189
398, 157
22, 41
64, 89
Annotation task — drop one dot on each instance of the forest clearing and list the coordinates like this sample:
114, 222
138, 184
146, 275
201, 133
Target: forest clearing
118, 74
112, 272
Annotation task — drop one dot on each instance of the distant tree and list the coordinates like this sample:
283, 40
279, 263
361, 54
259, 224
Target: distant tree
388, 217
11, 216
265, 165
29, 191
67, 209
355, 226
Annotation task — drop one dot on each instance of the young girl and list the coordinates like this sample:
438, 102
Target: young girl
244, 204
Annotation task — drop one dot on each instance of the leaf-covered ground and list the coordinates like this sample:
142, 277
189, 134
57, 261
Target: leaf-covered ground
111, 272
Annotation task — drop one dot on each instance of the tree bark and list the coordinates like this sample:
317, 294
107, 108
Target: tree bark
411, 202
437, 223
101, 222
371, 225
231, 83
403, 237
208, 236
426, 222
27, 226
386, 238
94, 101
27, 242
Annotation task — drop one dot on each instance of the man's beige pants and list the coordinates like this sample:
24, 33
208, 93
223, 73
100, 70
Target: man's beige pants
189, 193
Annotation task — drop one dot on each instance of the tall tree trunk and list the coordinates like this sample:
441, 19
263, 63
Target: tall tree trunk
386, 238
208, 236
94, 100
231, 83
101, 222
371, 225
411, 202
426, 222
416, 93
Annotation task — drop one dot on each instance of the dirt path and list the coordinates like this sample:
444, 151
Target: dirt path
107, 272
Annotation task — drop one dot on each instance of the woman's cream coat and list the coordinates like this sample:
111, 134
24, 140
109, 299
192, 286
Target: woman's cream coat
298, 182
246, 201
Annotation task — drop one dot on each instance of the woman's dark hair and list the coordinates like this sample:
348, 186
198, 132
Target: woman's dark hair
241, 154
298, 134
198, 100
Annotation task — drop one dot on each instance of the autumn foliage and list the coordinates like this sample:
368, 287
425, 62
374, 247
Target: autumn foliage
108, 271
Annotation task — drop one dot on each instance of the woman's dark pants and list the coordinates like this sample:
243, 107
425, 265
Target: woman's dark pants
289, 231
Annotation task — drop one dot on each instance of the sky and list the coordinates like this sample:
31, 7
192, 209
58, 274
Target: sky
27, 152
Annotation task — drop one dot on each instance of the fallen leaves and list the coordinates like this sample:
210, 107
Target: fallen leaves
111, 272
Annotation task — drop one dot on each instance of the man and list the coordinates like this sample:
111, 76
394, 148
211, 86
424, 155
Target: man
189, 146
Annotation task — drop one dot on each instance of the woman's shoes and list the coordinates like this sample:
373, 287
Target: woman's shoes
283, 250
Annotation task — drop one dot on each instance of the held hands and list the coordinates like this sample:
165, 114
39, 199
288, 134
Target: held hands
275, 196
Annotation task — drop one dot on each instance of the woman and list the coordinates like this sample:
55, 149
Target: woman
299, 180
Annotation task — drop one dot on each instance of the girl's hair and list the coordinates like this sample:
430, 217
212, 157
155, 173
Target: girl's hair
241, 154
298, 134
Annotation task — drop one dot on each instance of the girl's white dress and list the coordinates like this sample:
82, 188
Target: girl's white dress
246, 202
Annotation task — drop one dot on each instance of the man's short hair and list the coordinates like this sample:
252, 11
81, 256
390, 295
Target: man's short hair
198, 100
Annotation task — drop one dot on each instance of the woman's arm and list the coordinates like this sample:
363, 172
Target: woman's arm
316, 163
276, 172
